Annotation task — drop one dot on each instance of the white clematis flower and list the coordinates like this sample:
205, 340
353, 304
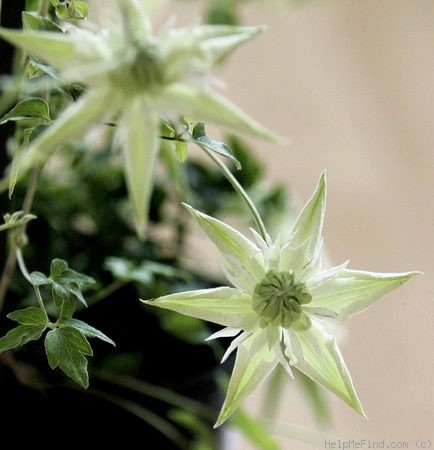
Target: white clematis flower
282, 304
135, 79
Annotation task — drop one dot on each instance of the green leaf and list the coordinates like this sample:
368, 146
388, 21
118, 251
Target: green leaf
65, 348
67, 282
57, 268
200, 137
126, 270
39, 279
36, 68
33, 21
181, 150
67, 308
29, 316
86, 329
60, 294
20, 335
31, 108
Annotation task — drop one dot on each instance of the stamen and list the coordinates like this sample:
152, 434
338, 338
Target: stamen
278, 299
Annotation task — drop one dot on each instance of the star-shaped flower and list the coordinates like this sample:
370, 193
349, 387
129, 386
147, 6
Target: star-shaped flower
136, 79
283, 303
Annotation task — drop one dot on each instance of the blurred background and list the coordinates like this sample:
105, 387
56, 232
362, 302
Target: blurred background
351, 85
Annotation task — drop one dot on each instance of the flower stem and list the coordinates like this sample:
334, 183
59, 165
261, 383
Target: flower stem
19, 238
240, 190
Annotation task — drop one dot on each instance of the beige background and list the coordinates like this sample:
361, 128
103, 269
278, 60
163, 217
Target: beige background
351, 84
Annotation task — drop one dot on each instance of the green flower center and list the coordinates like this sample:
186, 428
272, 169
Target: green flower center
278, 299
141, 69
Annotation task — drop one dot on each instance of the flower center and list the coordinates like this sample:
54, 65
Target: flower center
141, 69
278, 298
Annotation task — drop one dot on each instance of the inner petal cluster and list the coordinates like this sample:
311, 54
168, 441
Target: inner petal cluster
141, 69
277, 299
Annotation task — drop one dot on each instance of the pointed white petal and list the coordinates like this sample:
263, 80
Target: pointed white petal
231, 242
207, 44
306, 236
352, 290
224, 332
235, 343
137, 135
224, 305
321, 276
253, 364
279, 351
201, 104
73, 123
323, 363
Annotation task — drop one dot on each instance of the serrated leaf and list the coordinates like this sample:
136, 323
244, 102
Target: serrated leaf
33, 21
20, 335
199, 136
62, 274
31, 108
29, 316
65, 348
86, 329
67, 282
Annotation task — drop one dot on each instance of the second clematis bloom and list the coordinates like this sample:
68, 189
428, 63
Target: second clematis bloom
135, 79
283, 303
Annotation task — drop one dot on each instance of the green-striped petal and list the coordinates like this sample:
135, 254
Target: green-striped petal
201, 104
73, 123
354, 290
224, 305
322, 361
306, 235
137, 136
253, 363
231, 242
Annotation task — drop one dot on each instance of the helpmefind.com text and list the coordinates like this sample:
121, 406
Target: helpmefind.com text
370, 444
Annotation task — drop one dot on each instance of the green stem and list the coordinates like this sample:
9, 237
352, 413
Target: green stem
26, 274
239, 189
19, 238
105, 292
